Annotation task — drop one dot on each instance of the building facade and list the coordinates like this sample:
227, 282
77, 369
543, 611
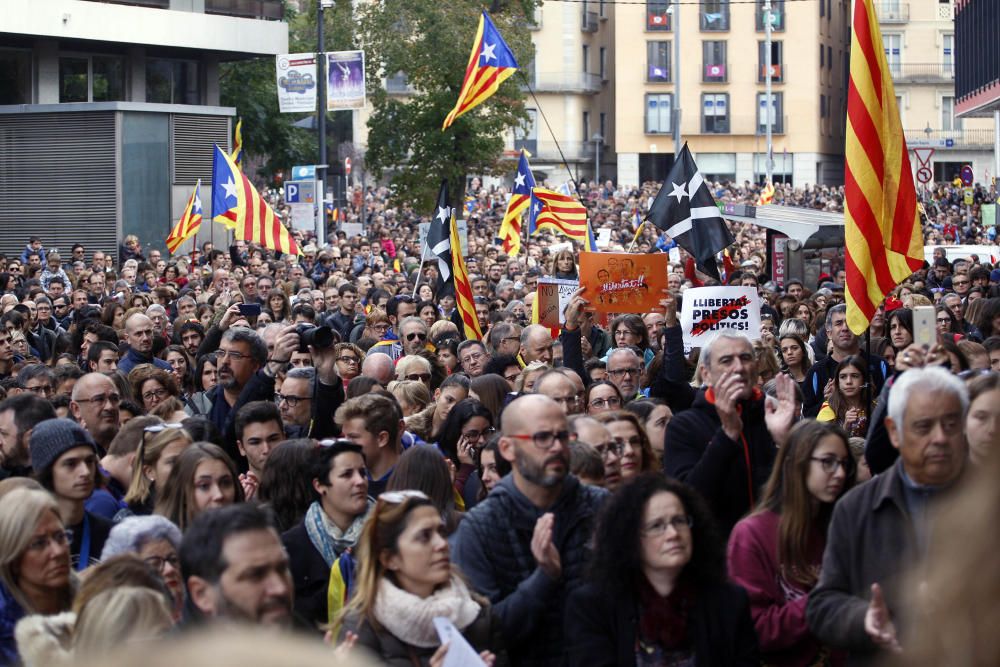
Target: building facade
109, 112
920, 48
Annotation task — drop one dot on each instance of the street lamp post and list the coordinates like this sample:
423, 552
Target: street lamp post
598, 140
321, 119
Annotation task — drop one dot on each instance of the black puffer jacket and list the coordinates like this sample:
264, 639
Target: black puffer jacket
492, 547
700, 453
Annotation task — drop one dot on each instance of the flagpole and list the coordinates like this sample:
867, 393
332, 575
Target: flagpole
636, 237
416, 283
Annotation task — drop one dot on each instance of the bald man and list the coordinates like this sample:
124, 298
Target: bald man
560, 388
379, 367
94, 404
527, 576
536, 344
139, 332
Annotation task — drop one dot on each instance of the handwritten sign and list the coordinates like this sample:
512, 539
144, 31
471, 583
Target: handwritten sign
707, 312
622, 282
553, 297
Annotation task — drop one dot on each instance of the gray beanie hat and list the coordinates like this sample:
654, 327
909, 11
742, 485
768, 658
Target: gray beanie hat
52, 438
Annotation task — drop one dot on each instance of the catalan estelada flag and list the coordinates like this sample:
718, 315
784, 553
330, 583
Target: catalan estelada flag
490, 64
562, 214
238, 144
238, 205
882, 226
520, 197
442, 239
189, 223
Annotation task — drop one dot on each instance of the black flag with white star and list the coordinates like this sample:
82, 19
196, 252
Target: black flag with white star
685, 209
439, 242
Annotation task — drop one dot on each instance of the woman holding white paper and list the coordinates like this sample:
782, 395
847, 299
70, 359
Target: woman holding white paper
405, 580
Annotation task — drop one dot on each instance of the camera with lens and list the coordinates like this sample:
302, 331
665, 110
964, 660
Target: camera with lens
319, 337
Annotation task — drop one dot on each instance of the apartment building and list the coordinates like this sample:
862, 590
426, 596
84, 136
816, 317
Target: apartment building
722, 108
109, 111
920, 47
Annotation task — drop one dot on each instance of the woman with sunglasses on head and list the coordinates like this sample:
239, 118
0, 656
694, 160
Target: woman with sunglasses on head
466, 429
405, 579
331, 526
776, 552
159, 447
656, 590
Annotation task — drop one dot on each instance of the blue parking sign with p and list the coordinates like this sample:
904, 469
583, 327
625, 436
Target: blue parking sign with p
292, 193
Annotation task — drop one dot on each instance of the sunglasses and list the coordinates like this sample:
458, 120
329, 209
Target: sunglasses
419, 377
416, 336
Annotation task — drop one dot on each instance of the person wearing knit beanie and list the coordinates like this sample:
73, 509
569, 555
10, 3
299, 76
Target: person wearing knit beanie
64, 458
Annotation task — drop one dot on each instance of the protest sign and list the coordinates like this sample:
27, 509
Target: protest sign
553, 297
346, 80
296, 78
707, 312
620, 282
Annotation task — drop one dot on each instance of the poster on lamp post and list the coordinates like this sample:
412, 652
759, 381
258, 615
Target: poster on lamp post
345, 80
296, 78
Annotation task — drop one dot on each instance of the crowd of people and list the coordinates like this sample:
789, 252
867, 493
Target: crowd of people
310, 445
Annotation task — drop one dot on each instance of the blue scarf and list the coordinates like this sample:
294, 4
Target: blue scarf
329, 540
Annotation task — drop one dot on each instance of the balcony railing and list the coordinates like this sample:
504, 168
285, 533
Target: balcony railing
893, 12
922, 72
565, 82
981, 138
589, 22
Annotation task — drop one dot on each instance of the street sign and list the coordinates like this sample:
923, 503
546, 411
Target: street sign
969, 199
924, 175
300, 192
301, 172
967, 176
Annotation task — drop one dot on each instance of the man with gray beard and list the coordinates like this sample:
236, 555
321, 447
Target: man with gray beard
524, 546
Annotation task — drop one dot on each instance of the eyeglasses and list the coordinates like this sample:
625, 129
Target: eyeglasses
611, 447
959, 282
613, 402
658, 528
473, 434
232, 355
474, 356
157, 428
829, 464
101, 399
60, 538
621, 372
419, 377
380, 327
416, 336
396, 497
544, 439
625, 332
158, 394
291, 400
944, 320
348, 360
43, 389
157, 562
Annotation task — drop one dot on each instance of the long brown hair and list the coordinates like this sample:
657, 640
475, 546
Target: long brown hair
649, 459
787, 494
381, 533
175, 500
837, 402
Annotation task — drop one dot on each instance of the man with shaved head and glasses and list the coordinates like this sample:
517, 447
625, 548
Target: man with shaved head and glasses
527, 579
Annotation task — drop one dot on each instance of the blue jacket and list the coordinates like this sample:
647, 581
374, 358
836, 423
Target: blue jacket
492, 547
10, 613
133, 359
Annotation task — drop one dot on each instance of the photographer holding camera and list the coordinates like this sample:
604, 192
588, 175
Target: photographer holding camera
309, 396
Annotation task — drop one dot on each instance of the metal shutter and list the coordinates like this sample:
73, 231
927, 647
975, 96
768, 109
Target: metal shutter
192, 140
58, 180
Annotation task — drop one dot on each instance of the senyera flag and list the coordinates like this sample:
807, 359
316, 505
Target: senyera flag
881, 220
490, 64
237, 204
560, 213
189, 223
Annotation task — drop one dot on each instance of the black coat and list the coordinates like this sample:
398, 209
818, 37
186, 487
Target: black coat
310, 574
700, 453
601, 629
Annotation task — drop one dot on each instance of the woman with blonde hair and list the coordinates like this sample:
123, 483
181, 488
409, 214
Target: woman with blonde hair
405, 579
376, 324
158, 450
412, 396
35, 572
117, 616
526, 382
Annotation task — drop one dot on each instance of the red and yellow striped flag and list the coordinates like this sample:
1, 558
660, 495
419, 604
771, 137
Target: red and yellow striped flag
766, 195
189, 223
463, 288
882, 226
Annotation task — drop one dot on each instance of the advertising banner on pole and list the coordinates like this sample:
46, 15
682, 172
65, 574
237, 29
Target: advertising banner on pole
345, 80
707, 312
296, 78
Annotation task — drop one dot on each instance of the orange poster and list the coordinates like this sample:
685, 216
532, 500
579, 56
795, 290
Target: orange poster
622, 282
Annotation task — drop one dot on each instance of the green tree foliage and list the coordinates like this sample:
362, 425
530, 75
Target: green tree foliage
429, 43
